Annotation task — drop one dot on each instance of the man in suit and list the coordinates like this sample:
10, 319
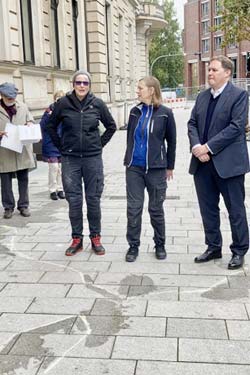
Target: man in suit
219, 161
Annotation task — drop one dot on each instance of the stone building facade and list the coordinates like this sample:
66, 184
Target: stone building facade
44, 41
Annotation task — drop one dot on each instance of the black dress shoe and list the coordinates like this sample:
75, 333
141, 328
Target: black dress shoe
7, 213
61, 194
53, 196
160, 252
236, 261
208, 255
132, 254
25, 212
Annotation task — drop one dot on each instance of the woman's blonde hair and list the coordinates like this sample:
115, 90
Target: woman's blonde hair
58, 94
153, 82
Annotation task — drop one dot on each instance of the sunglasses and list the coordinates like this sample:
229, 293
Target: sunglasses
82, 83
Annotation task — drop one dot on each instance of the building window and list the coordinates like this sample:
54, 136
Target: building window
205, 27
217, 21
74, 17
27, 33
217, 42
232, 45
217, 6
205, 45
204, 9
55, 33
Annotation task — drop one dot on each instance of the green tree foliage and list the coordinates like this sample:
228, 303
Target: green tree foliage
169, 70
235, 20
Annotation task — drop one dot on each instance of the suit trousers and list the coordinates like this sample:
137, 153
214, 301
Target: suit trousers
75, 171
209, 185
154, 180
8, 200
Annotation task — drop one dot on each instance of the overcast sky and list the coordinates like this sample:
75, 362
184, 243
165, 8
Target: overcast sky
179, 11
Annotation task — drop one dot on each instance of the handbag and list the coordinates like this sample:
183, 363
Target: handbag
29, 134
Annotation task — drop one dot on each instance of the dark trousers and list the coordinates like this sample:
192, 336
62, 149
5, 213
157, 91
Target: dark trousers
155, 183
209, 185
8, 200
76, 170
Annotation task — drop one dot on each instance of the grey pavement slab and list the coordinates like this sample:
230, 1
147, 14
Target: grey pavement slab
39, 323
60, 255
248, 309
180, 258
48, 246
167, 368
90, 266
124, 308
238, 330
28, 229
2, 286
23, 365
57, 345
20, 276
121, 326
197, 328
61, 306
36, 265
215, 294
35, 290
139, 267
118, 278
204, 310
154, 348
14, 304
4, 263
23, 254
177, 249
78, 366
239, 282
12, 245
7, 339
143, 258
118, 248
52, 238
185, 280
214, 351
153, 292
98, 291
207, 269
70, 276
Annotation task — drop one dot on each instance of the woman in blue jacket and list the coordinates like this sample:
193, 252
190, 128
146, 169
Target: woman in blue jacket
149, 164
51, 154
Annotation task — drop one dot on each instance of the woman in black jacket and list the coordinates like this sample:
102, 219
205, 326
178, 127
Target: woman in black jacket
80, 113
149, 164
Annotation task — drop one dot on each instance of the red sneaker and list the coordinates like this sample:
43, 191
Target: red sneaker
96, 245
75, 247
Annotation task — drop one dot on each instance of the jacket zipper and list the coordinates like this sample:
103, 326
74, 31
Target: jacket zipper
81, 135
152, 126
148, 128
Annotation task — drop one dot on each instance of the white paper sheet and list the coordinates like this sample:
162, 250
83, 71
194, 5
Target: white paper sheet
12, 140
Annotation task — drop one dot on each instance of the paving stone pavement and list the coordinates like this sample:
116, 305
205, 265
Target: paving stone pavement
91, 315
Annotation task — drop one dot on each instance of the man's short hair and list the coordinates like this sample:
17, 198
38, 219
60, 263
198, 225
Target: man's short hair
226, 63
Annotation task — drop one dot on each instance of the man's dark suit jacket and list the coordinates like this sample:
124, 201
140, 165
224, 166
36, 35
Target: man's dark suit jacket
226, 134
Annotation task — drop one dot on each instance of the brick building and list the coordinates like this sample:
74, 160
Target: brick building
200, 43
44, 41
